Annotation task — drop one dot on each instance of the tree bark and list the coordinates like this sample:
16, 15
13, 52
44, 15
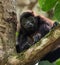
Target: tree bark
7, 30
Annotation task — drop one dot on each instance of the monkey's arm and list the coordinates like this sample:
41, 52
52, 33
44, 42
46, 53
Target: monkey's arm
47, 20
23, 42
20, 41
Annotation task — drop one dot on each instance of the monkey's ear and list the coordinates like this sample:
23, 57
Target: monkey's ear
34, 13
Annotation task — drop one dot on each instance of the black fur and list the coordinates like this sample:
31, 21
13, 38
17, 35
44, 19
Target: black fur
52, 56
32, 30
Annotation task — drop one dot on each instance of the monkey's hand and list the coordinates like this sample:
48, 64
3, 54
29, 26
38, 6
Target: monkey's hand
36, 37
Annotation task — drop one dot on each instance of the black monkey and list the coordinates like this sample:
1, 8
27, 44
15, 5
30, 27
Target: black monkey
28, 27
33, 28
52, 56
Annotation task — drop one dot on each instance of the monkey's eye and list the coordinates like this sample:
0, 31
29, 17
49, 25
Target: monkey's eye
27, 20
24, 20
31, 19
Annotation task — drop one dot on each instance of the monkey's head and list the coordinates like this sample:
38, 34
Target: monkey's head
28, 21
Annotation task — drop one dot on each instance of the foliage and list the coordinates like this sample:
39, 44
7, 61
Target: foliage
45, 63
17, 34
57, 62
47, 5
57, 11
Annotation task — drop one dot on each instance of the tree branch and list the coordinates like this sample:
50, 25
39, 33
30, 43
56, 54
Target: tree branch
37, 51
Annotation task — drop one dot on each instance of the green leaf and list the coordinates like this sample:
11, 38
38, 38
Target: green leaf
57, 12
41, 3
57, 62
59, 0
17, 34
45, 63
47, 5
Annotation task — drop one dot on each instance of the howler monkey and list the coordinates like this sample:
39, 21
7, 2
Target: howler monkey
33, 28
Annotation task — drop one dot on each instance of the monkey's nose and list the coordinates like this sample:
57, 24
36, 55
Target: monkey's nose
29, 24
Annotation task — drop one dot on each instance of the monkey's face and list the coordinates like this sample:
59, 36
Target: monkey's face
28, 22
